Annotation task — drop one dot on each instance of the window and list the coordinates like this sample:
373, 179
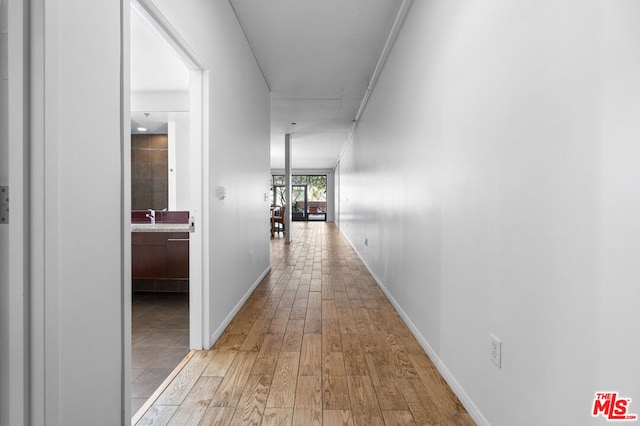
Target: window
308, 196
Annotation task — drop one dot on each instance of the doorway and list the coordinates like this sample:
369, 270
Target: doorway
167, 176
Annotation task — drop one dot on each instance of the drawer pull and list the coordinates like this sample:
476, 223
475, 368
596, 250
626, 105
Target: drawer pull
177, 239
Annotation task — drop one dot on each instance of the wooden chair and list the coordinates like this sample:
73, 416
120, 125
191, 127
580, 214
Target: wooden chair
278, 217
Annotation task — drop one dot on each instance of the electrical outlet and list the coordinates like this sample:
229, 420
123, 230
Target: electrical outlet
496, 351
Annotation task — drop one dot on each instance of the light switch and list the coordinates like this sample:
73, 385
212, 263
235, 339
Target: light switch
221, 192
4, 204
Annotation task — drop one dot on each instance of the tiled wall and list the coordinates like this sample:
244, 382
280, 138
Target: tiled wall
149, 172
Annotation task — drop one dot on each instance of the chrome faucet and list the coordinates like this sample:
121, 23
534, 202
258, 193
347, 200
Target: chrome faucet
152, 215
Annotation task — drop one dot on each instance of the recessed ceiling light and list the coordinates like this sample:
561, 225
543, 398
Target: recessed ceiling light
142, 129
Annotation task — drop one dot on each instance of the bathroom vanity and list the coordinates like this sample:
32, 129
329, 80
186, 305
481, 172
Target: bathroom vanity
160, 251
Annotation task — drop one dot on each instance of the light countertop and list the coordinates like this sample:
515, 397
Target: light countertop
161, 227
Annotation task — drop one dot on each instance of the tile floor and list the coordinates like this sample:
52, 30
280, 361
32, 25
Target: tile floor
159, 340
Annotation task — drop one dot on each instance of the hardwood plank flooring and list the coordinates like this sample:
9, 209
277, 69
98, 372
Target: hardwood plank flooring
316, 343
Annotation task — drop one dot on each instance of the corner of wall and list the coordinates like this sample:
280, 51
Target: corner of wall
218, 332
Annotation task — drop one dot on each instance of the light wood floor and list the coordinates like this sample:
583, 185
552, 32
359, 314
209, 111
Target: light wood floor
316, 343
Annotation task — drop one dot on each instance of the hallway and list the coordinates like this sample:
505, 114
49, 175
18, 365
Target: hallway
316, 343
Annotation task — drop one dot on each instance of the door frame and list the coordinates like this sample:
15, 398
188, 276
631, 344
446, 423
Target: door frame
15, 356
198, 134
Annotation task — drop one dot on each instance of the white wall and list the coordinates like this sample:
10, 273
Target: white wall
183, 167
494, 174
179, 166
78, 246
619, 245
238, 114
160, 101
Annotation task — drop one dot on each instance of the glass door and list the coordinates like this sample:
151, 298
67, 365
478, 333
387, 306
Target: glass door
308, 196
298, 202
317, 197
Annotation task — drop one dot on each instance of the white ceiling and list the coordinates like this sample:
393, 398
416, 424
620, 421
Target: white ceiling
317, 58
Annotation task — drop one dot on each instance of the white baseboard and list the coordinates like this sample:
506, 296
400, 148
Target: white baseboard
468, 404
216, 334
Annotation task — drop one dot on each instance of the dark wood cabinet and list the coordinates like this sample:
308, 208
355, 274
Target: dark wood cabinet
178, 256
160, 255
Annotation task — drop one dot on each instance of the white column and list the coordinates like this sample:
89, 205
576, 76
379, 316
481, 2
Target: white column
287, 191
